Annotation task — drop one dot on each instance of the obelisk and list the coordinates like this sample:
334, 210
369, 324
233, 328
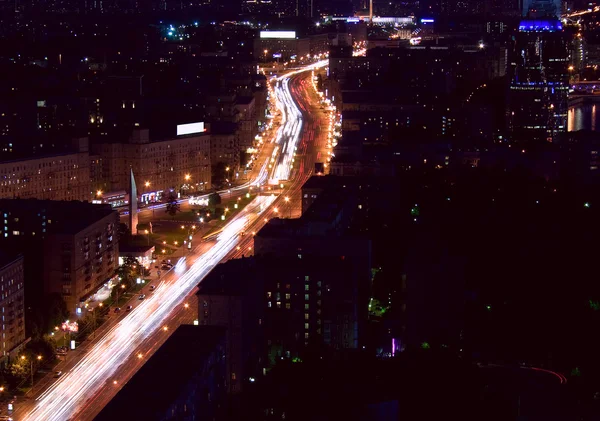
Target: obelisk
133, 216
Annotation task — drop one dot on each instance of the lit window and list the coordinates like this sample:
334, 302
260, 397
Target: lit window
15, 232
306, 287
269, 294
306, 278
288, 306
306, 316
306, 335
306, 326
305, 306
269, 304
278, 304
288, 296
306, 297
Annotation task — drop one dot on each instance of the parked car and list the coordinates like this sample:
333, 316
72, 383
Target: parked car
129, 308
57, 374
117, 309
141, 297
152, 287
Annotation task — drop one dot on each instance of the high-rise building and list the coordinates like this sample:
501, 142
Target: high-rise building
539, 85
72, 247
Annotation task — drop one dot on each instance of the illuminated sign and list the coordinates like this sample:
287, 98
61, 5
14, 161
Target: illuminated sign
183, 129
427, 20
70, 327
540, 26
198, 201
277, 55
278, 34
72, 344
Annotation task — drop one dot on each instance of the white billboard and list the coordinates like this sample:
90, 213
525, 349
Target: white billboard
278, 34
183, 129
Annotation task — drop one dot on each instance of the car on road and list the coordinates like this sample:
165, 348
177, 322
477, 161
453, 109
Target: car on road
117, 309
141, 297
5, 418
152, 287
57, 374
129, 308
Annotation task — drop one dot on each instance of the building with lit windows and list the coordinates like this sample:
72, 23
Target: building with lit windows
273, 45
55, 177
180, 163
12, 305
74, 246
540, 82
277, 307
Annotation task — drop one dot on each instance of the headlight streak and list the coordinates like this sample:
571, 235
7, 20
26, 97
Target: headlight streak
61, 400
76, 387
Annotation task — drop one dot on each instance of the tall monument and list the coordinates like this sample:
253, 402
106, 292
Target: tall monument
133, 216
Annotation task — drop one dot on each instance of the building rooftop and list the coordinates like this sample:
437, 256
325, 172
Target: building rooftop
8, 258
68, 217
228, 278
160, 381
225, 278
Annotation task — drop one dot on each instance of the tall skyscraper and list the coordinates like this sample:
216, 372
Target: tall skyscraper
540, 81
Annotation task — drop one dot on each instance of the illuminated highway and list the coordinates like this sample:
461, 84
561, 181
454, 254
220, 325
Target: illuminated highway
116, 353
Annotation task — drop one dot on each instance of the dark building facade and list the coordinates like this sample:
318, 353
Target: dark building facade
184, 380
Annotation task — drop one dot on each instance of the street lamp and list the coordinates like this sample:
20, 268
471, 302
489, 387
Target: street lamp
148, 234
147, 184
39, 358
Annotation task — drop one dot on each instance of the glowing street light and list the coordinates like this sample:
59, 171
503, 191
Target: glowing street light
147, 184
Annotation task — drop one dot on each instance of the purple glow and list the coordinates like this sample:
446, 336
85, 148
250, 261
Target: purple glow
393, 346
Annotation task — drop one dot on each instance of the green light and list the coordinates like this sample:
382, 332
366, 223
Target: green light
595, 305
425, 345
488, 308
586, 205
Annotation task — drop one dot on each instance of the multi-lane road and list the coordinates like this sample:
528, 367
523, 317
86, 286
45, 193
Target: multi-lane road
120, 348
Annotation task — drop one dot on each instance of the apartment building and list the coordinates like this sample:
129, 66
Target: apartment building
56, 177
179, 163
12, 296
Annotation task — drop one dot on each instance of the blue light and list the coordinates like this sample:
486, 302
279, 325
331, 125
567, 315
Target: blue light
170, 33
427, 20
540, 26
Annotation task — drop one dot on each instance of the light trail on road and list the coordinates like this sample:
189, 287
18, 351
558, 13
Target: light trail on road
77, 387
